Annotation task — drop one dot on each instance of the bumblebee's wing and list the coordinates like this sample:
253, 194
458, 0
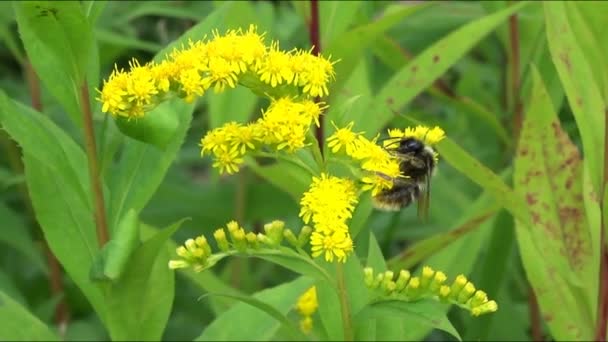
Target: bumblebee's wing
424, 199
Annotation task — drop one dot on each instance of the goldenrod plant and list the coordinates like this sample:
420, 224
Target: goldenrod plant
305, 170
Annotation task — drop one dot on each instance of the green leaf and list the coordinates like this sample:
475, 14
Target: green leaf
581, 90
287, 176
213, 21
421, 250
425, 313
335, 17
587, 20
254, 324
295, 262
555, 243
140, 302
142, 167
362, 212
234, 105
157, 128
18, 324
288, 325
113, 258
350, 46
329, 310
423, 70
59, 43
15, 233
375, 259
462, 161
58, 183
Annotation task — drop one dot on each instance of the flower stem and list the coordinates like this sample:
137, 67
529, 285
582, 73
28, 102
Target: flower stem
315, 41
89, 134
344, 304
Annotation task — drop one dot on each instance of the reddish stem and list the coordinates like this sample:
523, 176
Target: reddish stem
315, 41
515, 72
535, 322
91, 149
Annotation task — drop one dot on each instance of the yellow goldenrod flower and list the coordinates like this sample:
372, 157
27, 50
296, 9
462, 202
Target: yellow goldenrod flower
194, 254
429, 136
275, 68
430, 285
306, 306
216, 63
228, 161
343, 137
286, 122
113, 91
380, 166
337, 244
329, 202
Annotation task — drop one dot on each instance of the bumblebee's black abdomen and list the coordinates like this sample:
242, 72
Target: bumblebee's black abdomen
397, 198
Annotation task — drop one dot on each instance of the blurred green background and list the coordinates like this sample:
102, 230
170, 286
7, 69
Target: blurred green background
477, 83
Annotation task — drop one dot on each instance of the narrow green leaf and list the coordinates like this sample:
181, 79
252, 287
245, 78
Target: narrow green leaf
555, 243
296, 262
421, 250
335, 18
462, 161
140, 302
426, 313
56, 173
362, 212
18, 324
375, 259
234, 105
581, 89
213, 21
350, 46
142, 167
329, 311
59, 43
115, 254
287, 176
587, 20
423, 70
253, 324
288, 325
14, 233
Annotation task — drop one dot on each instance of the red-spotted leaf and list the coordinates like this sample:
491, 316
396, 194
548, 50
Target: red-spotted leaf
555, 243
577, 76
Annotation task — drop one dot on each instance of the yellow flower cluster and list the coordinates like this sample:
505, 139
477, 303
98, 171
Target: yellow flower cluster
380, 166
283, 126
306, 306
329, 203
431, 283
221, 62
197, 253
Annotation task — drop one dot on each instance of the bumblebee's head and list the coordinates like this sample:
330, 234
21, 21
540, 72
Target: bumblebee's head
409, 145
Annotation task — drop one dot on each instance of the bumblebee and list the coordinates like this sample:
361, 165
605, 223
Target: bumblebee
417, 162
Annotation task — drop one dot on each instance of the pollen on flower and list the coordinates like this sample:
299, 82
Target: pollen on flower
218, 63
337, 244
343, 138
329, 203
380, 166
428, 135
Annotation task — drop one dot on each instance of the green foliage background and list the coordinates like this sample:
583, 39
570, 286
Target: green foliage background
455, 64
